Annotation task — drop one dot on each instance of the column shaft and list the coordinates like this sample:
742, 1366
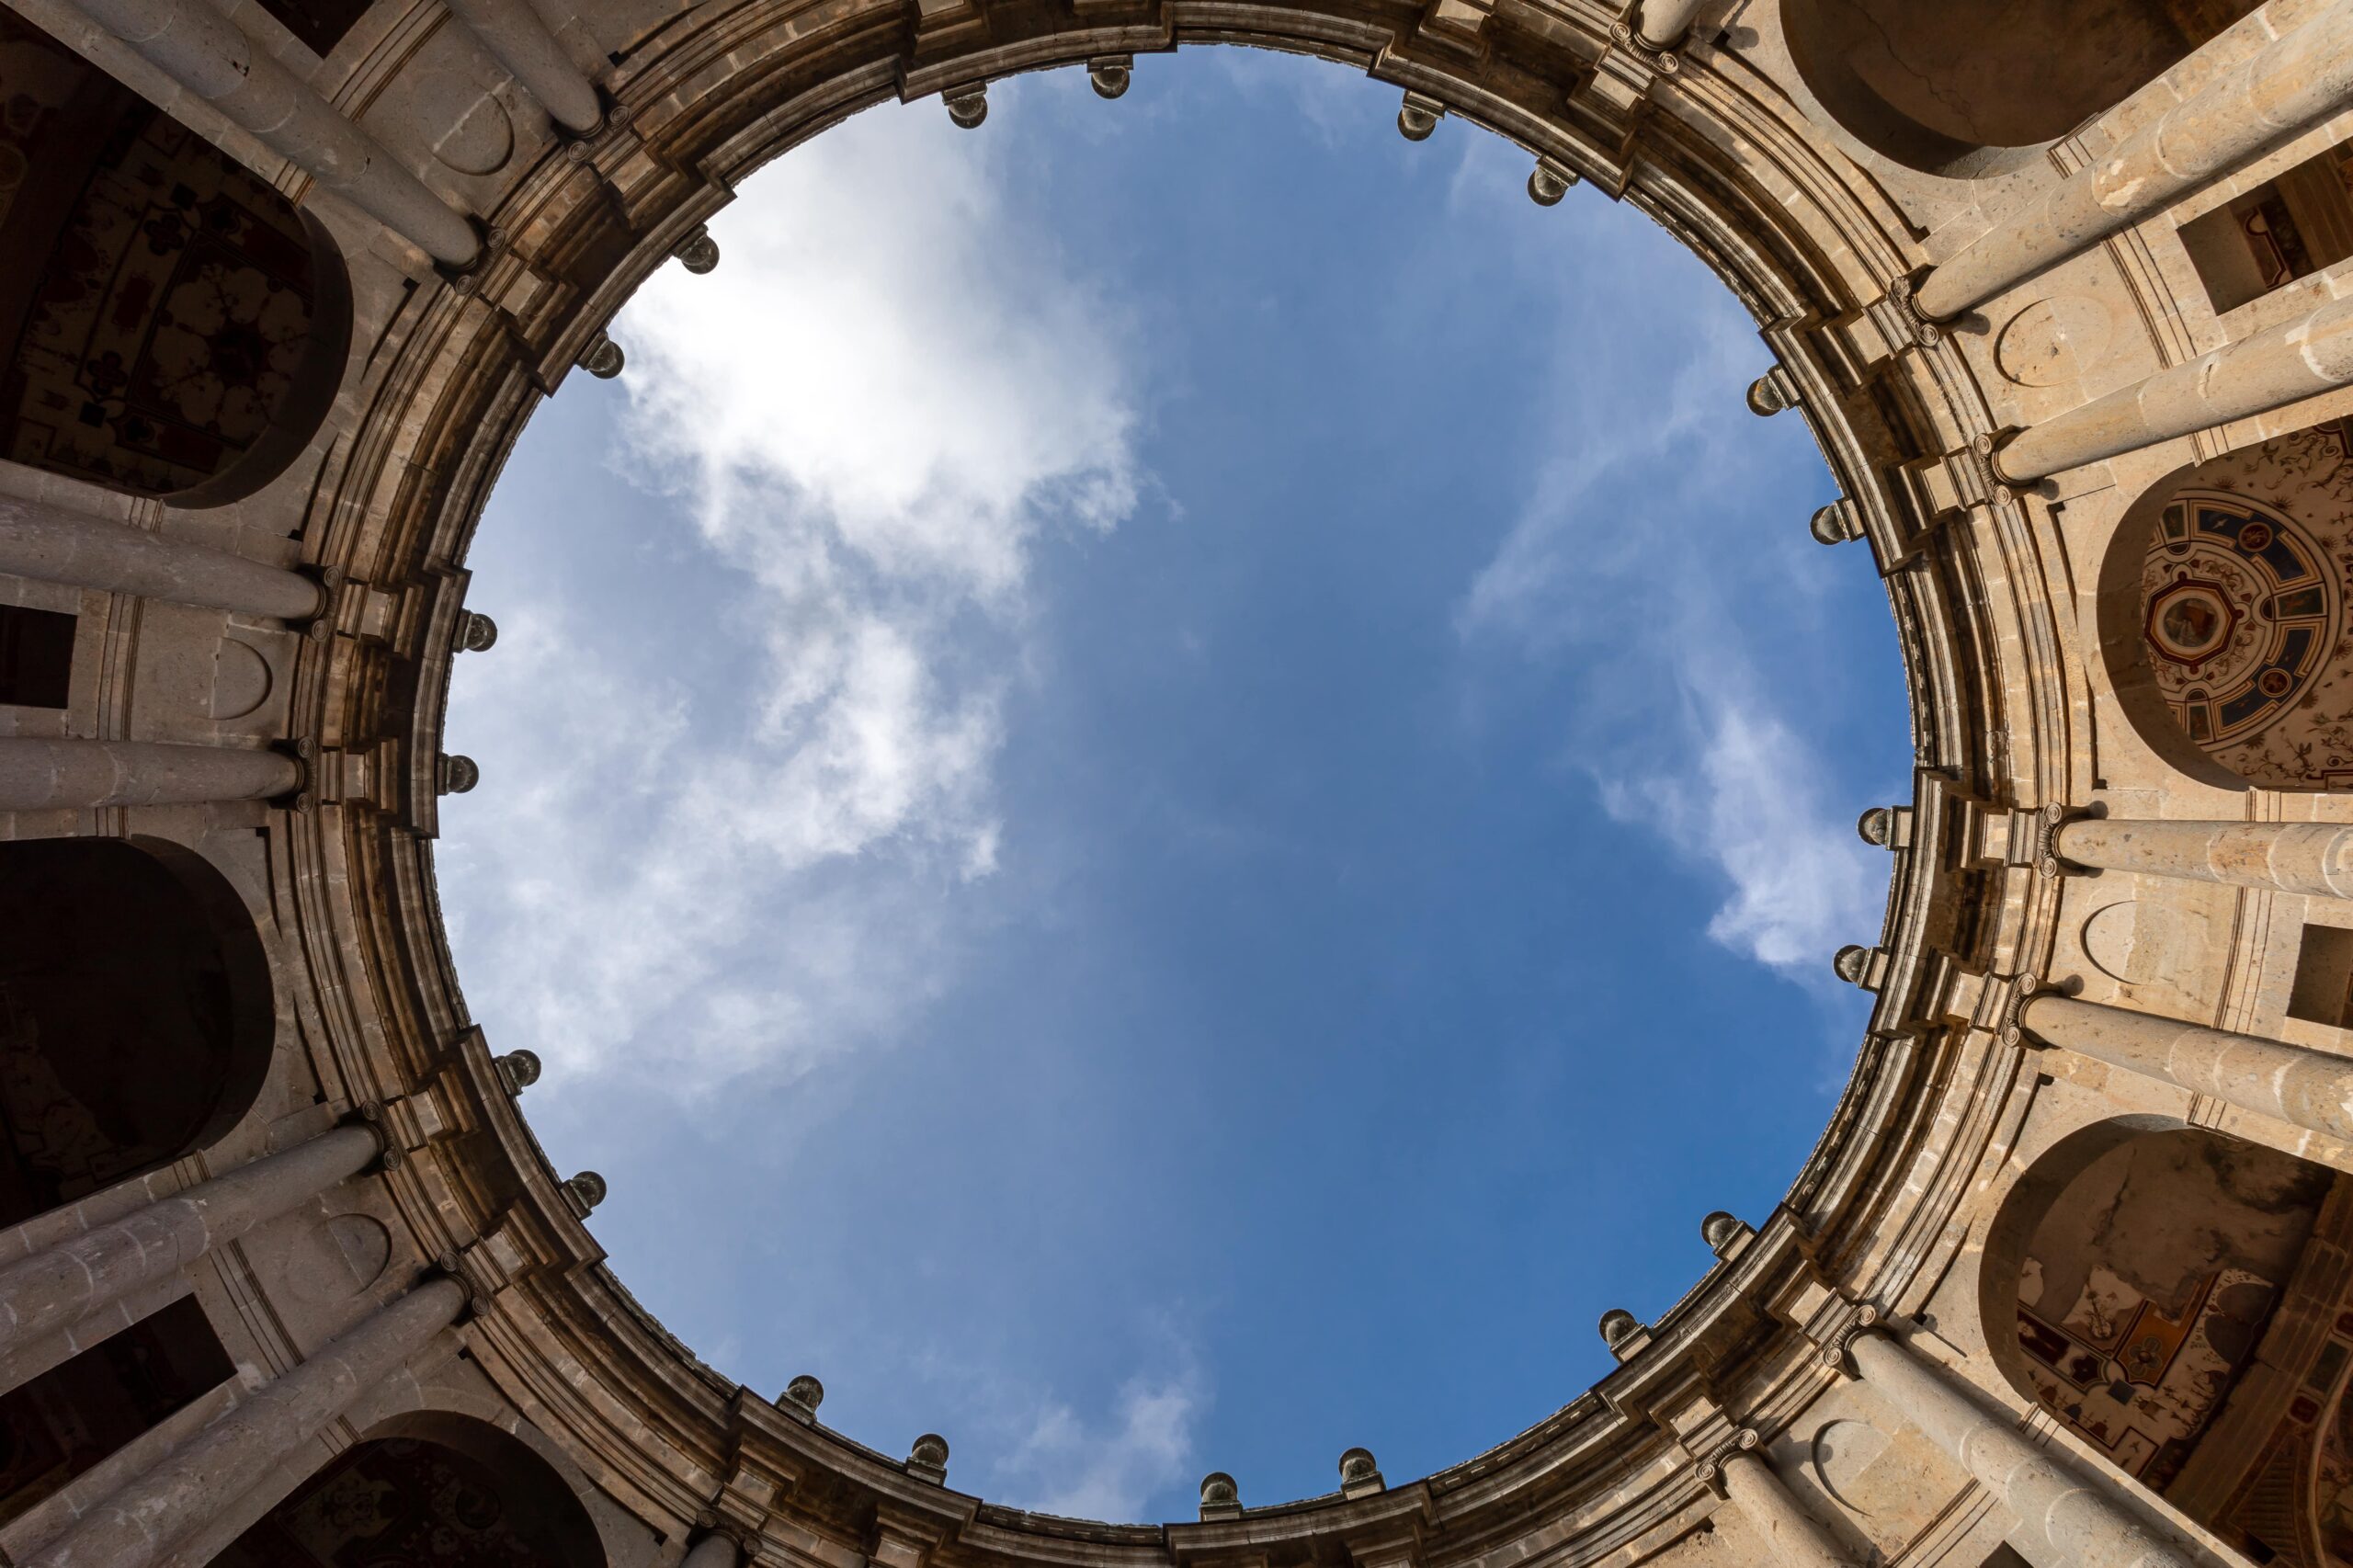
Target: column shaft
54, 1290
1662, 23
2310, 857
2284, 89
2074, 1515
513, 32
41, 775
2254, 375
141, 1522
211, 57
2310, 1089
52, 545
1798, 1538
713, 1552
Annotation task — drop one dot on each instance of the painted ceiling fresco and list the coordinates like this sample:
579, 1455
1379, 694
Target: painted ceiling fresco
2148, 1286
158, 317
2243, 594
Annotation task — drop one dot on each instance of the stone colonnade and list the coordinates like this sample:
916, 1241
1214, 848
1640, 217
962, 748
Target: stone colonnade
2072, 1516
140, 1523
211, 56
513, 32
2311, 1090
2305, 1088
1661, 24
1797, 1538
2067, 1517
712, 1551
2312, 859
56, 1291
2286, 88
2254, 375
58, 774
51, 544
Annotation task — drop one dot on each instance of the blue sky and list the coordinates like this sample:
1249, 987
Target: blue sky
1170, 783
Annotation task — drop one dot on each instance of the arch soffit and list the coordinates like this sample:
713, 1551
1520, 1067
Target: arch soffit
490, 1434
715, 93
227, 922
255, 983
2011, 1224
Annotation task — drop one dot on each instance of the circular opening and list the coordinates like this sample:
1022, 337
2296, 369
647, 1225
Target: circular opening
1141, 747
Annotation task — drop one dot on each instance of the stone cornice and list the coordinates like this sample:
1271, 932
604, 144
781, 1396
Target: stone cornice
1709, 150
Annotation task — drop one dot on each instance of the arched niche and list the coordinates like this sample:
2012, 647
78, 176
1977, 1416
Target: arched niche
1963, 88
2223, 614
173, 326
431, 1489
136, 1016
2163, 1292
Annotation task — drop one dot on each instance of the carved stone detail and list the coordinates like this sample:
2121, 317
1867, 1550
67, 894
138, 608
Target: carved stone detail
1549, 181
585, 1191
1418, 116
967, 104
1111, 73
698, 253
519, 1069
602, 357
927, 1460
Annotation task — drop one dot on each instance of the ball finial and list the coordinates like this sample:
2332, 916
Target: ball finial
587, 1189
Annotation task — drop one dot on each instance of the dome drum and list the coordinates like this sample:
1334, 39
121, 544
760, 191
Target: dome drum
2107, 516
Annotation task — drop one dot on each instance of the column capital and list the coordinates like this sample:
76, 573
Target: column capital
1709, 1468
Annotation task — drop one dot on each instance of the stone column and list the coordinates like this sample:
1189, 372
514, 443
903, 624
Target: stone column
149, 1514
2254, 375
1797, 1538
2284, 89
41, 775
713, 1552
54, 1290
2311, 857
513, 32
52, 545
1661, 24
2075, 1516
2310, 1089
208, 54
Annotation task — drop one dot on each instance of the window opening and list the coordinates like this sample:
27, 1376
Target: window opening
35, 657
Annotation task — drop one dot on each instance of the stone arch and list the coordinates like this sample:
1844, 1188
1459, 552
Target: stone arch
2139, 1284
2226, 622
427, 1486
1969, 89
136, 1014
174, 328
425, 1408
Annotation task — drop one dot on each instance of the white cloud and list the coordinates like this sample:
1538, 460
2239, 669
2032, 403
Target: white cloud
870, 415
1110, 1470
1639, 567
1755, 807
